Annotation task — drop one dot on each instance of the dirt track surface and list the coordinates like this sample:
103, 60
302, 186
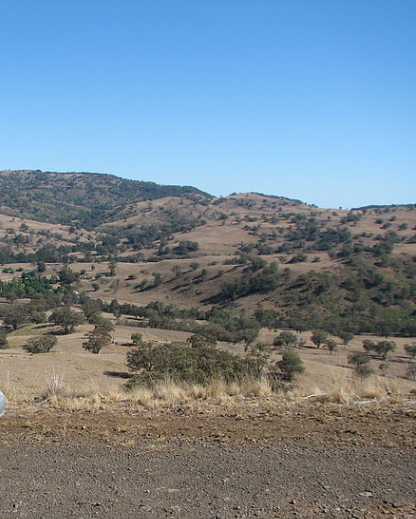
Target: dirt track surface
317, 462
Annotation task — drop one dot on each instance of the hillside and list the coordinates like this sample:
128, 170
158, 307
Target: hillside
85, 198
289, 263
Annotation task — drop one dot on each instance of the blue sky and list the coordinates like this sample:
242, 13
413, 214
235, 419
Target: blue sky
311, 99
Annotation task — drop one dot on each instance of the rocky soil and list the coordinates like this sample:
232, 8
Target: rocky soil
314, 461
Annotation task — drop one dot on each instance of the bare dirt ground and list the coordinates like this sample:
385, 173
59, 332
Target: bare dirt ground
306, 462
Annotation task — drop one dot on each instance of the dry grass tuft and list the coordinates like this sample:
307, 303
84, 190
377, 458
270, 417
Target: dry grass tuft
9, 388
254, 394
256, 387
170, 392
55, 385
342, 390
162, 394
216, 388
141, 396
373, 388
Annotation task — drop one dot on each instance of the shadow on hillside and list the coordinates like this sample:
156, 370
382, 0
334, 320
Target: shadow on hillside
118, 374
58, 333
42, 326
215, 299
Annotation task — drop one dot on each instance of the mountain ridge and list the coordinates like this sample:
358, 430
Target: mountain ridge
85, 196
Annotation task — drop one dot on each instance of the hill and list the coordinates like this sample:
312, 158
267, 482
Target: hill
84, 198
284, 262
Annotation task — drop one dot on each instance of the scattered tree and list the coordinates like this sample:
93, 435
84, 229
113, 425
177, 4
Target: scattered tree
410, 349
91, 310
41, 344
319, 337
177, 271
411, 372
368, 345
100, 337
104, 326
290, 365
201, 341
381, 348
157, 278
66, 318
331, 345
361, 361
285, 340
136, 338
96, 341
112, 265
14, 315
345, 336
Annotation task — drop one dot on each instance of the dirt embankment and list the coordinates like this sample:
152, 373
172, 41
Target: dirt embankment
313, 462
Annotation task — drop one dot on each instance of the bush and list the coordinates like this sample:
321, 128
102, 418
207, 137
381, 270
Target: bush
331, 345
362, 364
290, 365
381, 348
100, 337
410, 349
41, 344
411, 372
136, 338
201, 341
180, 362
319, 337
96, 341
285, 340
345, 336
66, 318
3, 342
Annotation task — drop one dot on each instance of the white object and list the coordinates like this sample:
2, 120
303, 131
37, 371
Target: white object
2, 404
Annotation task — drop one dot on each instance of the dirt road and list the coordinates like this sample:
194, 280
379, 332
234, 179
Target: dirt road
317, 462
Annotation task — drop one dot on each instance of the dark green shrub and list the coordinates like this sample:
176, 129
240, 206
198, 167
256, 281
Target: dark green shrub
136, 338
285, 340
410, 349
96, 341
319, 337
290, 365
66, 318
331, 345
362, 364
41, 344
180, 362
3, 342
345, 336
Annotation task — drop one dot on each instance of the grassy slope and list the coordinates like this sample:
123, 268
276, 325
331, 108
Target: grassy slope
221, 226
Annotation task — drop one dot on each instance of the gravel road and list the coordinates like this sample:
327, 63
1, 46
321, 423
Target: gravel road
83, 466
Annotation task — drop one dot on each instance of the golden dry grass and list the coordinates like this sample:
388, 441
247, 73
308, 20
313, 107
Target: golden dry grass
243, 396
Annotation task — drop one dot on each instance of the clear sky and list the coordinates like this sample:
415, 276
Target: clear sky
311, 99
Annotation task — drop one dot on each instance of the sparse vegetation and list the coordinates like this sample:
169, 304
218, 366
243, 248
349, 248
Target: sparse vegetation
66, 318
41, 344
183, 363
361, 363
290, 365
270, 295
410, 349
